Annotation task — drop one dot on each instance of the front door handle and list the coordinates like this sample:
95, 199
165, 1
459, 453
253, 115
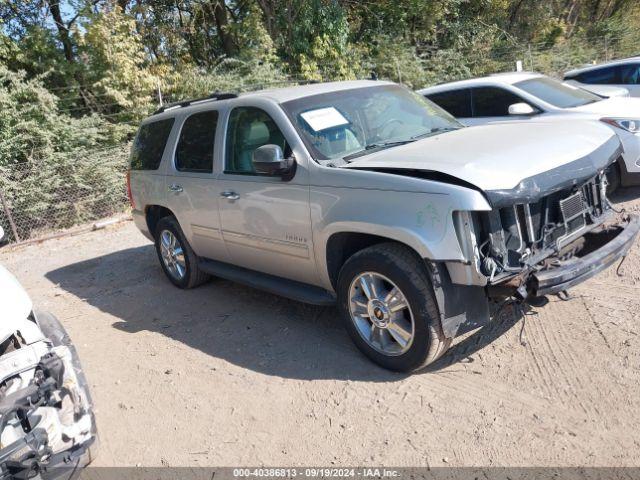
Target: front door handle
230, 195
175, 188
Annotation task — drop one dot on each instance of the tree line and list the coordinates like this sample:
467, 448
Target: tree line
115, 51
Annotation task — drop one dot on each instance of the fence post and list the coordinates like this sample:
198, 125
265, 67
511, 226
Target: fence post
160, 103
7, 212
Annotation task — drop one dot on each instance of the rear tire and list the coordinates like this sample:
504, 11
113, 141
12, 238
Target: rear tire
177, 258
411, 337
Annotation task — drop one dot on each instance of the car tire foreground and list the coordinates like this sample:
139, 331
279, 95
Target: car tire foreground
389, 308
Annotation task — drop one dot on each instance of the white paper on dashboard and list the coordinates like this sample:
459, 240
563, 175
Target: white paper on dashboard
324, 118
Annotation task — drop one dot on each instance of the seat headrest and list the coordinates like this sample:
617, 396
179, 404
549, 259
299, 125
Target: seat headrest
255, 133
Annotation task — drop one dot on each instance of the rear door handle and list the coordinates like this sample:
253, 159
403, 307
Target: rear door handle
230, 195
175, 188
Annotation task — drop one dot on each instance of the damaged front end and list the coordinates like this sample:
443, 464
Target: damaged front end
47, 427
540, 241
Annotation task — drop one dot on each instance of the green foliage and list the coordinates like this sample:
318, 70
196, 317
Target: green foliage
232, 75
116, 67
49, 161
397, 61
312, 36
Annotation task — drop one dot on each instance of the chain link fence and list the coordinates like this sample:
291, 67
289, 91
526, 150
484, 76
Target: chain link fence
40, 198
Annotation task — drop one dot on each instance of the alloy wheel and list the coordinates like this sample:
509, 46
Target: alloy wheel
172, 254
381, 314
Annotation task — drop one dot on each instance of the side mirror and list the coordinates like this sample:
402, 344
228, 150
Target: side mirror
269, 159
521, 109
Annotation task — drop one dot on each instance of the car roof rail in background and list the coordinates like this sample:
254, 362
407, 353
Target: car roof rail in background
185, 103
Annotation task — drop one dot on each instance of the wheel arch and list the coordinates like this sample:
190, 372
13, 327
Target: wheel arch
342, 245
153, 214
457, 304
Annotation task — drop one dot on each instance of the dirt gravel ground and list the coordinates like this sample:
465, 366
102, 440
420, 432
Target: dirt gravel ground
224, 375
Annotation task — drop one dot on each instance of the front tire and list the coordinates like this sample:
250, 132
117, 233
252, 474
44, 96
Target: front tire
178, 260
389, 308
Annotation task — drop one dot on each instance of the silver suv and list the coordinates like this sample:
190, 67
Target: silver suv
367, 195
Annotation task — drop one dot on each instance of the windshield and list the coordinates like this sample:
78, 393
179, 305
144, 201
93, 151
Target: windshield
556, 93
354, 122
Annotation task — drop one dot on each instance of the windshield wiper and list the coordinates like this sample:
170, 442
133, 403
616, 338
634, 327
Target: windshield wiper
434, 131
378, 146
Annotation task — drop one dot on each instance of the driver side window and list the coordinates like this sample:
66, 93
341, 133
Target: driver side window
248, 129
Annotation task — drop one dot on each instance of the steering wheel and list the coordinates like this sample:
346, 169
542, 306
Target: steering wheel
387, 124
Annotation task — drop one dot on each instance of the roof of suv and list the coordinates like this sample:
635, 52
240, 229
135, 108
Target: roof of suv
588, 68
282, 95
279, 95
499, 78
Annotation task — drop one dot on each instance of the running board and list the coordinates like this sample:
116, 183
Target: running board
283, 287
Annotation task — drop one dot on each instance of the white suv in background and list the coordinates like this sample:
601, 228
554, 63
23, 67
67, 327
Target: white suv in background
620, 73
532, 97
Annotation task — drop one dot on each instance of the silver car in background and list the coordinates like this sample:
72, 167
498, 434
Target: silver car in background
532, 97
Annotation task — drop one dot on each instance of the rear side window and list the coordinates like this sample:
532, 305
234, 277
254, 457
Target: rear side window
149, 144
194, 152
601, 76
456, 102
493, 102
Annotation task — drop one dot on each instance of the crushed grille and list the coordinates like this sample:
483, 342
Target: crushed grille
572, 207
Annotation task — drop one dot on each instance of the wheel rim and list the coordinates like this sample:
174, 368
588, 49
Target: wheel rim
381, 314
172, 255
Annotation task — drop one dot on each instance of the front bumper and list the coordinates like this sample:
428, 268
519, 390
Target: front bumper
612, 244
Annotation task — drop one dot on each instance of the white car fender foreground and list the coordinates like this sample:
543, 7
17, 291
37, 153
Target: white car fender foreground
47, 426
16, 304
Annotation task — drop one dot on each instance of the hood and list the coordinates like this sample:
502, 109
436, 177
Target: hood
617, 107
501, 156
602, 90
14, 302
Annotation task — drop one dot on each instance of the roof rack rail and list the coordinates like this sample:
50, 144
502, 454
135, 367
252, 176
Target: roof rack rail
185, 103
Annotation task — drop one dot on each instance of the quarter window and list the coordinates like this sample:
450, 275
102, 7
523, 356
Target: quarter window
456, 102
149, 144
250, 128
194, 152
492, 101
